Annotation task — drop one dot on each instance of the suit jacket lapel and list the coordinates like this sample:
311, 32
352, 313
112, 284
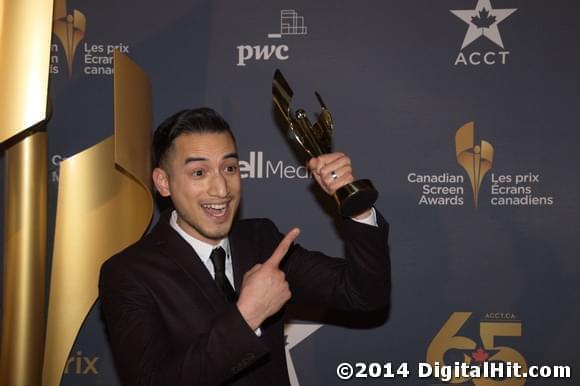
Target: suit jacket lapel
174, 247
244, 255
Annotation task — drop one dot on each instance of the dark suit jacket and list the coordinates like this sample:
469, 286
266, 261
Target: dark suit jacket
168, 323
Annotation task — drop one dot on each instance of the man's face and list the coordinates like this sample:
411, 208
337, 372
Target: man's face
200, 172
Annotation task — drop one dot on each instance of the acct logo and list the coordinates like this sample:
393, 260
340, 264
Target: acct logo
478, 349
476, 158
290, 24
69, 29
256, 168
482, 22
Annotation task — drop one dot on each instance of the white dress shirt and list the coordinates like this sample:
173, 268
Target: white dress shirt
204, 250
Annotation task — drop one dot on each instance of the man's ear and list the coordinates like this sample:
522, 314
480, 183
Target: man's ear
161, 181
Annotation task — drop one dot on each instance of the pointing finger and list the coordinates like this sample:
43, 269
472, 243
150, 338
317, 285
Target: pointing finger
282, 248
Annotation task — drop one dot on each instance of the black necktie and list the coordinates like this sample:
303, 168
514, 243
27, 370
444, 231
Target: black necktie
218, 258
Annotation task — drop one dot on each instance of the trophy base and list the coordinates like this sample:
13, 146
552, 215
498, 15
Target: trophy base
356, 197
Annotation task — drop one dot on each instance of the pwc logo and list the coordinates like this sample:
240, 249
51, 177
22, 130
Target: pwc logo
290, 24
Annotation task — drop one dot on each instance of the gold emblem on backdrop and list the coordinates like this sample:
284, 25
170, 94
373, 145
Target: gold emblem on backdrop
476, 159
492, 326
70, 30
104, 205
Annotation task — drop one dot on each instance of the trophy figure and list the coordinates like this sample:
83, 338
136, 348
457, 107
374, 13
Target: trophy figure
315, 140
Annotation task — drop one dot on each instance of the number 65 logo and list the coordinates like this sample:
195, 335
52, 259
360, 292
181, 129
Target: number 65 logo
447, 339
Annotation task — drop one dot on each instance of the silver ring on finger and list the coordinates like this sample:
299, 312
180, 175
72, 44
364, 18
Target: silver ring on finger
333, 175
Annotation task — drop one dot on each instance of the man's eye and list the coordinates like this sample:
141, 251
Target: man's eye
197, 173
231, 168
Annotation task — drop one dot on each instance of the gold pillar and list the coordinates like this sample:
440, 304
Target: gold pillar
25, 33
24, 261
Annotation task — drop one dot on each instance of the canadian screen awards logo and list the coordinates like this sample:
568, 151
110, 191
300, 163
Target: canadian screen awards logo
477, 158
291, 24
475, 344
448, 189
70, 30
483, 22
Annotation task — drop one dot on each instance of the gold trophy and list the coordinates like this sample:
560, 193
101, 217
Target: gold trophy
315, 140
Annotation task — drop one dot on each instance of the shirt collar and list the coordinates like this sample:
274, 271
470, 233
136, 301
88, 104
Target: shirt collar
202, 249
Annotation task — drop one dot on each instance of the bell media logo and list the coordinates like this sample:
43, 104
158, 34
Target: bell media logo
258, 167
291, 24
475, 344
483, 22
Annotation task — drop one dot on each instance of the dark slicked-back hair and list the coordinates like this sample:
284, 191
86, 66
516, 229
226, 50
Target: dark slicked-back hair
191, 121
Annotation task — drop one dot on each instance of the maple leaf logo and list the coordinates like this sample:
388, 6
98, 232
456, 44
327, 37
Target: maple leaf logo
483, 20
480, 355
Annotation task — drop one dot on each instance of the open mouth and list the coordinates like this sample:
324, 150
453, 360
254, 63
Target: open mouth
216, 210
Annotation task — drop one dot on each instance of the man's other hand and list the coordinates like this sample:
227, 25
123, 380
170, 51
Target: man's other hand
332, 171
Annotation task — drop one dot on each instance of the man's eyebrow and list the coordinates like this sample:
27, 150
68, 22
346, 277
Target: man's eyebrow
196, 159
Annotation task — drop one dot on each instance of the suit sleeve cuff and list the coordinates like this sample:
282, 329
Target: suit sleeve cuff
371, 219
244, 347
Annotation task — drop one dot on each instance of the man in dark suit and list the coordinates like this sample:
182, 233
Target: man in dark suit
200, 300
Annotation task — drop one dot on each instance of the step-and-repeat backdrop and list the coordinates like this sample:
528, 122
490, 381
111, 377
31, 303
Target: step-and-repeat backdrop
464, 113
